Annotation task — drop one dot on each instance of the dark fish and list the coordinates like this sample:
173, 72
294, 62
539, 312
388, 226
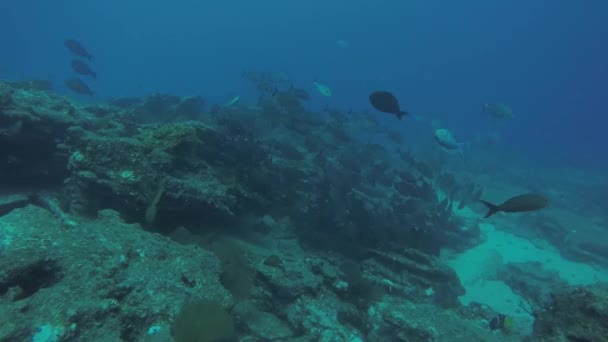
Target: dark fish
77, 49
527, 202
82, 68
78, 86
387, 103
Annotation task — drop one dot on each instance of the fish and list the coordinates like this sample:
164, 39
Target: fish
82, 68
446, 139
520, 203
502, 322
323, 89
499, 111
232, 101
386, 102
78, 49
78, 86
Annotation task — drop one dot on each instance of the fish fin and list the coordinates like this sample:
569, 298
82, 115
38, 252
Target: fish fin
492, 208
401, 114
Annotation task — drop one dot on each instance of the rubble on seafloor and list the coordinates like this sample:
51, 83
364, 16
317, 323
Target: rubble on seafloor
155, 220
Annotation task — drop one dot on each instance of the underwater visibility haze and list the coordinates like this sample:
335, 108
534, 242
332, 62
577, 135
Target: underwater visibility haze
303, 171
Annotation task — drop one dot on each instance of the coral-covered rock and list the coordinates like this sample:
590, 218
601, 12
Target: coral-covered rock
412, 269
574, 314
95, 278
531, 281
393, 320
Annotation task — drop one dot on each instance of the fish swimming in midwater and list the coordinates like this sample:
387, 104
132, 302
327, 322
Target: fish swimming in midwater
232, 101
78, 86
78, 49
323, 89
82, 68
520, 203
386, 103
446, 139
499, 111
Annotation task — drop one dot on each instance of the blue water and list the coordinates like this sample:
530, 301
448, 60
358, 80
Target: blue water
547, 59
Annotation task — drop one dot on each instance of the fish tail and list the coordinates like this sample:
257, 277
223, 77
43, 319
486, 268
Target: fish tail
492, 208
401, 114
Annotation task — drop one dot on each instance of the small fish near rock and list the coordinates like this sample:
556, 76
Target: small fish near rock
78, 86
501, 322
82, 68
386, 102
78, 49
520, 203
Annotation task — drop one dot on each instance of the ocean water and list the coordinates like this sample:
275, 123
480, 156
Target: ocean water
548, 60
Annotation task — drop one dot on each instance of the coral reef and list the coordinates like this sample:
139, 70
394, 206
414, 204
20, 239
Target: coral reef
98, 280
127, 220
574, 314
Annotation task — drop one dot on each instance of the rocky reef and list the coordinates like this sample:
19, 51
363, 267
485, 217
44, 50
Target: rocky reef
574, 314
155, 165
131, 220
95, 280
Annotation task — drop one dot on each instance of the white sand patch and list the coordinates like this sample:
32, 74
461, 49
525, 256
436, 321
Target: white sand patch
476, 268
